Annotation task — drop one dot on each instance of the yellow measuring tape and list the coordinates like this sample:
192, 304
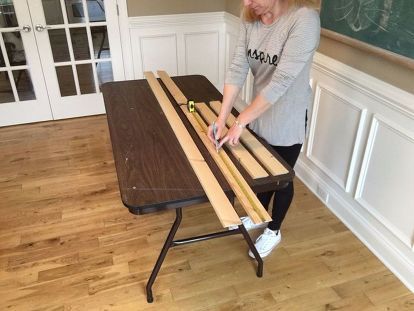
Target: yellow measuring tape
191, 106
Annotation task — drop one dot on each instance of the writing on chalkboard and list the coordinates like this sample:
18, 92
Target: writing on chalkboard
383, 23
361, 14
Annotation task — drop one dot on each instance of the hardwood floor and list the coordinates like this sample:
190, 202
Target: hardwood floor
68, 243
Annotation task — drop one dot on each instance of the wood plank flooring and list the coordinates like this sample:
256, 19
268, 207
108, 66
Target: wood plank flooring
68, 243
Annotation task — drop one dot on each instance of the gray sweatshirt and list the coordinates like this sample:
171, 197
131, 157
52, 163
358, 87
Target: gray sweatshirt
280, 57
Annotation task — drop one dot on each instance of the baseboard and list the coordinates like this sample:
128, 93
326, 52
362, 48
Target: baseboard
389, 254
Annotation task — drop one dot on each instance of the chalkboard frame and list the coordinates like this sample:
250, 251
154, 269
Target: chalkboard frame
386, 54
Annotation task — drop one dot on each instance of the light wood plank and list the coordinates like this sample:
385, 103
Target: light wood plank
218, 199
241, 188
172, 87
267, 159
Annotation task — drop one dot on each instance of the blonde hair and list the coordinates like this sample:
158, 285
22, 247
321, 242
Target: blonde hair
249, 16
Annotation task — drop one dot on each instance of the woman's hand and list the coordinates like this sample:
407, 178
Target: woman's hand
219, 131
233, 136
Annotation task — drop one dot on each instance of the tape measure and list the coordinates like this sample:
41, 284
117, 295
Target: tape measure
191, 106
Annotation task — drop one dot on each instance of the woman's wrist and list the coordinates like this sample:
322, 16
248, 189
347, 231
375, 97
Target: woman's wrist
239, 124
219, 121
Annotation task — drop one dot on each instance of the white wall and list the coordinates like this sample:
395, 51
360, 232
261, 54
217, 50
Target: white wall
359, 158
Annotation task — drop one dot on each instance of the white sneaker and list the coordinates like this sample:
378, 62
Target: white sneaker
266, 242
248, 224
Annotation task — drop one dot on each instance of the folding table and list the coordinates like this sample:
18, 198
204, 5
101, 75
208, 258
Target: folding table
153, 171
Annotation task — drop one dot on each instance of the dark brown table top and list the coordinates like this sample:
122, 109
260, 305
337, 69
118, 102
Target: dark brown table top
153, 171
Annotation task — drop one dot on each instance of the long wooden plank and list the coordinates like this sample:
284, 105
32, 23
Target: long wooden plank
256, 147
218, 199
250, 164
179, 97
241, 188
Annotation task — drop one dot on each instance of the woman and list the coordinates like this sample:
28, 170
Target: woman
277, 41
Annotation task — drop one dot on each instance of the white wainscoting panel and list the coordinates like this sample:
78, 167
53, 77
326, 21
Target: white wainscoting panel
335, 131
159, 53
202, 56
386, 187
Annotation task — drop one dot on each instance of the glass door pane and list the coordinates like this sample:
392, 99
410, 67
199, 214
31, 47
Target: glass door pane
6, 91
14, 61
53, 12
7, 14
76, 13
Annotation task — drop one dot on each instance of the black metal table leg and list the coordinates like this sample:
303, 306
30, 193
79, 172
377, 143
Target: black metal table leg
161, 257
253, 249
169, 242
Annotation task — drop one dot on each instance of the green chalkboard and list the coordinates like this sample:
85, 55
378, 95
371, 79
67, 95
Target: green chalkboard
387, 24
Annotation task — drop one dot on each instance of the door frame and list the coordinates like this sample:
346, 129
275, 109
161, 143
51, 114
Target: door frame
124, 30
114, 31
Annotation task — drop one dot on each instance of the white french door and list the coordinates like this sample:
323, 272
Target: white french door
72, 37
77, 43
23, 94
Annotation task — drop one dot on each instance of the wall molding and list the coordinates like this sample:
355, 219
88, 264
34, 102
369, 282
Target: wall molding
377, 121
380, 91
175, 20
232, 22
357, 107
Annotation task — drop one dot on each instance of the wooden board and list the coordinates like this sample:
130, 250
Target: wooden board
172, 87
249, 163
222, 206
241, 188
255, 146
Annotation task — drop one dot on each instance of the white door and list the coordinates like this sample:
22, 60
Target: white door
55, 54
23, 96
73, 41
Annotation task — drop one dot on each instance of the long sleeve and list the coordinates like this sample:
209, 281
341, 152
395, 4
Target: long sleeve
298, 51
